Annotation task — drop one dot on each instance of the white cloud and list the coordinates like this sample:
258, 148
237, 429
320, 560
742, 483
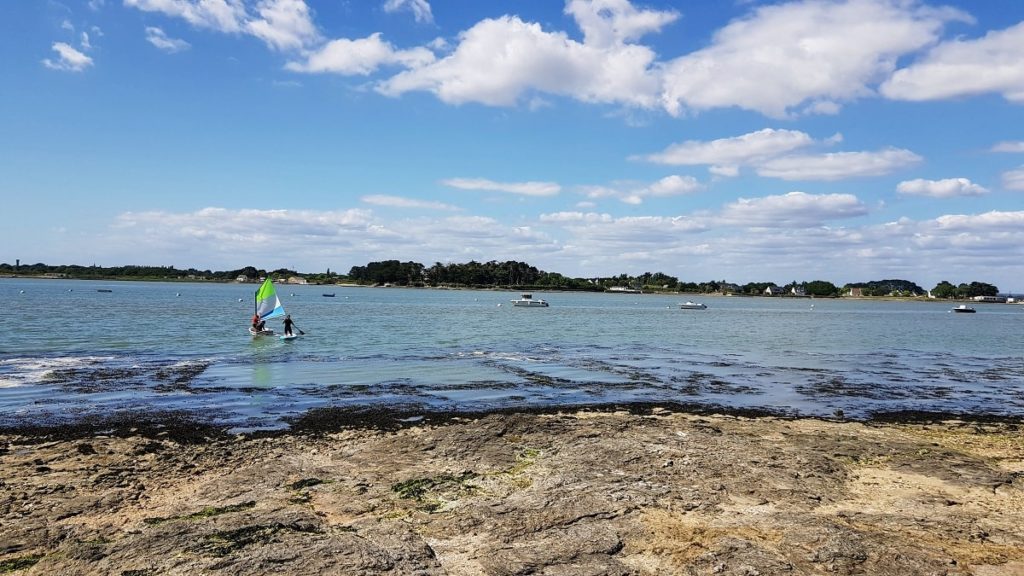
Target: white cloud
728, 153
69, 60
158, 38
947, 188
499, 60
795, 209
806, 54
221, 15
400, 202
284, 24
1017, 146
575, 217
84, 42
608, 23
777, 238
419, 8
633, 193
838, 165
1014, 180
280, 24
977, 223
770, 152
523, 188
359, 57
993, 64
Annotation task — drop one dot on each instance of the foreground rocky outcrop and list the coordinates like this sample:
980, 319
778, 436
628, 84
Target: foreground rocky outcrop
590, 492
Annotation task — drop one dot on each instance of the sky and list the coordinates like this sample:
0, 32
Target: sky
747, 141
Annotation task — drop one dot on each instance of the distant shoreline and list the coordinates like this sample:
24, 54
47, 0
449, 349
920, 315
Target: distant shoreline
505, 289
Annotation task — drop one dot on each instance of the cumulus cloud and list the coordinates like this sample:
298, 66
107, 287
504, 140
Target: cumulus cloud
948, 188
807, 54
158, 38
280, 24
359, 57
522, 188
498, 61
419, 8
728, 153
608, 23
633, 193
776, 238
1017, 146
991, 64
221, 15
1014, 180
771, 153
838, 165
575, 217
797, 209
400, 202
69, 59
283, 24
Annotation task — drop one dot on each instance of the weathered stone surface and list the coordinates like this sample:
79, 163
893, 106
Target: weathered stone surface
561, 494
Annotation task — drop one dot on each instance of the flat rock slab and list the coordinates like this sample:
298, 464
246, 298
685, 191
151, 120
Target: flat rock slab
572, 493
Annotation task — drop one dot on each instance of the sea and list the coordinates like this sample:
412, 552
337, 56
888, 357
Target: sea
73, 350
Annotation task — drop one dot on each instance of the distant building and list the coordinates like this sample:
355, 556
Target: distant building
773, 290
995, 299
297, 280
857, 292
797, 291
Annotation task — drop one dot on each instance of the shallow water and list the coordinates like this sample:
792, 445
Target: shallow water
72, 351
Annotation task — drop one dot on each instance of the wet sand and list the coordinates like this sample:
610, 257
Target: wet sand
640, 490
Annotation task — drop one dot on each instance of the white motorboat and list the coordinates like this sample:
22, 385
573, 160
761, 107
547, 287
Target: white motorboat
964, 309
528, 301
692, 305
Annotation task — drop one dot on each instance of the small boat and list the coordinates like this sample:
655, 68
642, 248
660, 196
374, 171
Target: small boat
328, 294
527, 301
692, 305
268, 305
964, 309
104, 290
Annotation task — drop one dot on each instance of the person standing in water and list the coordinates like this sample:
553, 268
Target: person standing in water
288, 325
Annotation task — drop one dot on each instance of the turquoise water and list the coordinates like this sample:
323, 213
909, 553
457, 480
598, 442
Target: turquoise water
72, 351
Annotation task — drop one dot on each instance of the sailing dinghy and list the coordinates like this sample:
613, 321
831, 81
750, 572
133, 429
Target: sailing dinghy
268, 305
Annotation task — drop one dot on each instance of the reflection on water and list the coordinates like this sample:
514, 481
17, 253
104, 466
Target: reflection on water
460, 350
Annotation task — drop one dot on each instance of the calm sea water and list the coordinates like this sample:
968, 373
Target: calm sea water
70, 351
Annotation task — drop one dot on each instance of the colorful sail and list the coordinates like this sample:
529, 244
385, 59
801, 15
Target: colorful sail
268, 305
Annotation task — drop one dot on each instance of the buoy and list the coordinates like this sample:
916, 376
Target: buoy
239, 299
21, 292
177, 293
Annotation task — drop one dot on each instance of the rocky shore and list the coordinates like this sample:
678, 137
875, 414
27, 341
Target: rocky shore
644, 490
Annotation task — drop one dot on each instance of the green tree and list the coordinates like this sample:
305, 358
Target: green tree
821, 288
944, 290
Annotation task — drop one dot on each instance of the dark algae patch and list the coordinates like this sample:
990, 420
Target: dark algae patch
229, 541
208, 512
14, 564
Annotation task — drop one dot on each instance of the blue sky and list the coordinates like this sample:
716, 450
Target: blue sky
747, 141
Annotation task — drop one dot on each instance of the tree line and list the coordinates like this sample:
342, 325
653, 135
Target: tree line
509, 274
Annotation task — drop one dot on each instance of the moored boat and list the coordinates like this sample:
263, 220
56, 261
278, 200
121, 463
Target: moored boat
528, 301
692, 305
964, 309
